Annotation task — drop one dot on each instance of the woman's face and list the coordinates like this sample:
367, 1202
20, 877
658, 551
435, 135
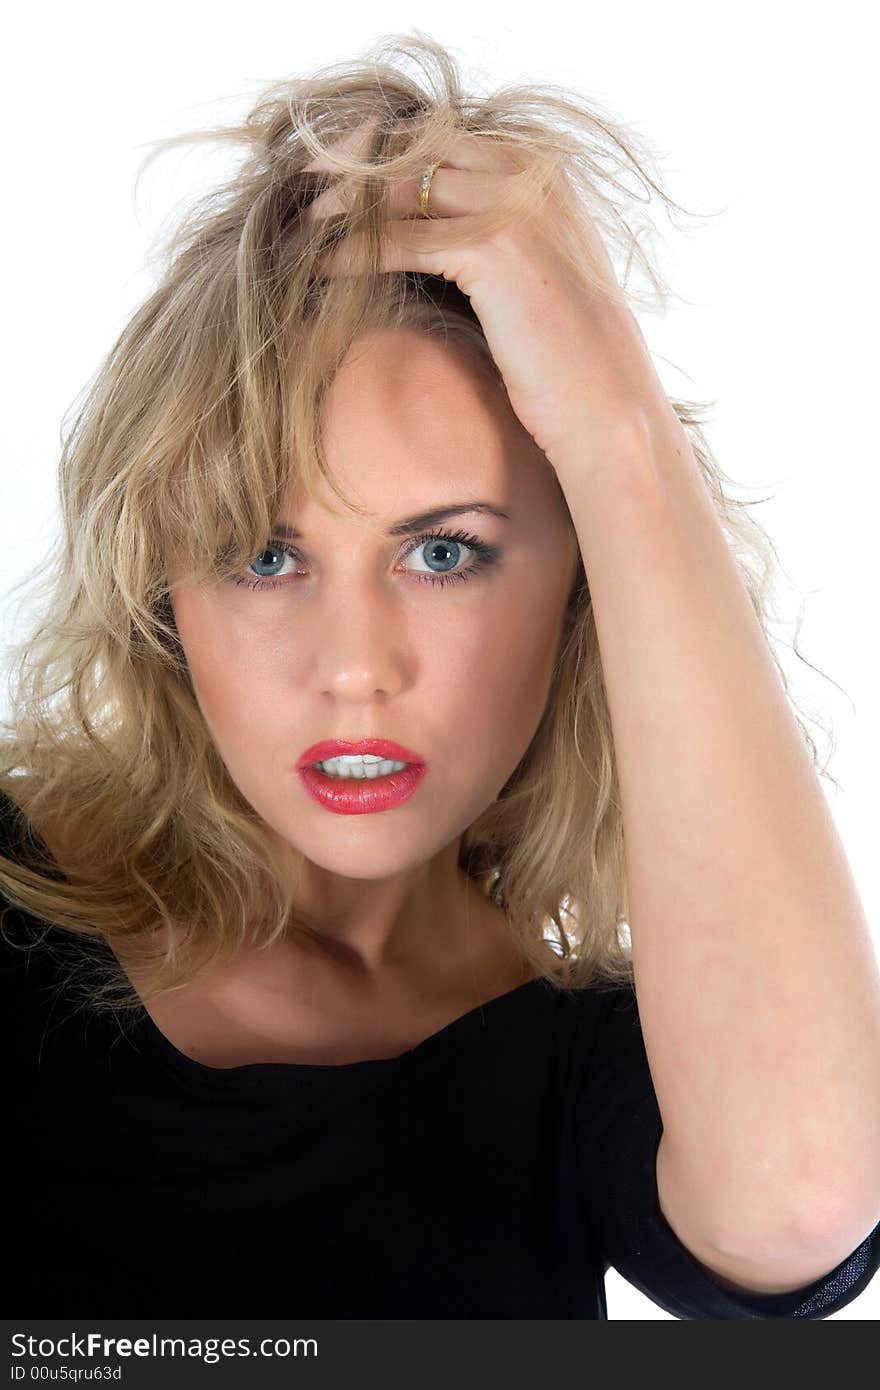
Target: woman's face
350, 638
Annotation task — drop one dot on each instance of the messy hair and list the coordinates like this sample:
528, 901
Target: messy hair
204, 412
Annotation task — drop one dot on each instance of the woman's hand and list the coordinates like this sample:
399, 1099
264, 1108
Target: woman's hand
574, 361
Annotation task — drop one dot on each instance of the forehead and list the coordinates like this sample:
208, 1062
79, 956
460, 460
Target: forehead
411, 419
410, 383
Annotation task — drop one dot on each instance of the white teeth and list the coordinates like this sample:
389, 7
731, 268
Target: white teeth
357, 765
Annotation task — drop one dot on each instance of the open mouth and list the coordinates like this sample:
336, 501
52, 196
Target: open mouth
357, 795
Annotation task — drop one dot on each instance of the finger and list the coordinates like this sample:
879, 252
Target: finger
405, 245
353, 145
453, 193
481, 152
466, 180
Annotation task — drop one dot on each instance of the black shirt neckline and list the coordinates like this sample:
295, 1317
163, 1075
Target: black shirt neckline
435, 1044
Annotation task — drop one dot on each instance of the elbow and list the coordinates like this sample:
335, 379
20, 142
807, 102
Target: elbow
840, 1217
822, 1232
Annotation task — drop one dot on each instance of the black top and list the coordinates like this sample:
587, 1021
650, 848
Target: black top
496, 1170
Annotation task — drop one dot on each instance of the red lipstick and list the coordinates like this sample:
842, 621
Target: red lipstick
352, 796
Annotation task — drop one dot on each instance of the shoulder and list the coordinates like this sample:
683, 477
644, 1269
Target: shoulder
603, 1004
596, 1026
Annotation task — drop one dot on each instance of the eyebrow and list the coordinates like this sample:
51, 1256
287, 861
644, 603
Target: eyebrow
412, 524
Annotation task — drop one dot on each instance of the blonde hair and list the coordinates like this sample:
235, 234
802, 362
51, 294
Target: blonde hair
204, 411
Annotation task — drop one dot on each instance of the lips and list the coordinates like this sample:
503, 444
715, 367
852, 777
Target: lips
381, 747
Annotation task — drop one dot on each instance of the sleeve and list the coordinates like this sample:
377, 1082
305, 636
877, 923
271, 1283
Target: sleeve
618, 1128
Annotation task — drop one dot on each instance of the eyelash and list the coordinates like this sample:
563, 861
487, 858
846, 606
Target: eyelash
484, 554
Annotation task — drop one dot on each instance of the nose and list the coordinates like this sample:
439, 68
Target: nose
359, 650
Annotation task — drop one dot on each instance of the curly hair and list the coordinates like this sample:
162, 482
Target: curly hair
200, 417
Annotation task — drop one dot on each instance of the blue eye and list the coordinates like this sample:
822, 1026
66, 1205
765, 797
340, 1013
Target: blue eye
442, 549
278, 548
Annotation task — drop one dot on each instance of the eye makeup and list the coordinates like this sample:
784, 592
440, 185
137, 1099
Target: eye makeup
483, 554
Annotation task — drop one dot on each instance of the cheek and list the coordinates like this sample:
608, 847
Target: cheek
223, 666
520, 652
503, 662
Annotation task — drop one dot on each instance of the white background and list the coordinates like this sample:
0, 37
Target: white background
761, 114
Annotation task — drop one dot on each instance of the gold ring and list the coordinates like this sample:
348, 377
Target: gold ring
425, 188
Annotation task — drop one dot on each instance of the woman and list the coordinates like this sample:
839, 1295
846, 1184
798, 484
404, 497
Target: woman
318, 995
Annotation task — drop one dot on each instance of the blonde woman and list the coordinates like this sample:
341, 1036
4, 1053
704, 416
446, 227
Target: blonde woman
420, 894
